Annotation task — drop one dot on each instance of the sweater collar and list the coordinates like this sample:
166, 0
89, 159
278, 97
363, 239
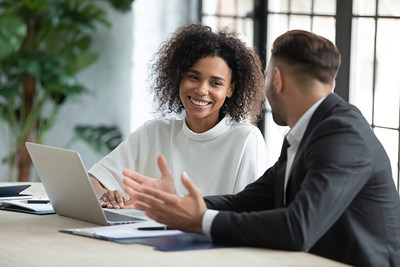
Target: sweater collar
214, 132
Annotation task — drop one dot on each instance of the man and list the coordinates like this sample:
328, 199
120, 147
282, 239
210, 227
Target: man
331, 191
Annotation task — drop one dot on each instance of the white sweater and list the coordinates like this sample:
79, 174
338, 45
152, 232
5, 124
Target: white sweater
222, 160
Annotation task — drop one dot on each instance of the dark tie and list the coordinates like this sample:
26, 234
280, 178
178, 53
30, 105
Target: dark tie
280, 174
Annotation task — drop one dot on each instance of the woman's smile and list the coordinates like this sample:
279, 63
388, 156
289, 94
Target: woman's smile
199, 102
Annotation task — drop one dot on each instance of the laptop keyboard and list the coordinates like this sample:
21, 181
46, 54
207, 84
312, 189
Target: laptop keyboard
116, 217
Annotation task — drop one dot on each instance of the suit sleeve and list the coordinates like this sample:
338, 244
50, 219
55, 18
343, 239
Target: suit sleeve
334, 165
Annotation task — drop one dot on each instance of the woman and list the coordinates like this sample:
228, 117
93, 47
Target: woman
217, 82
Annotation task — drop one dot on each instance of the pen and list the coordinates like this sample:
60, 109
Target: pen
159, 228
36, 201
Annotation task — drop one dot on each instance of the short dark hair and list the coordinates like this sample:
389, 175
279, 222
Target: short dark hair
190, 43
309, 54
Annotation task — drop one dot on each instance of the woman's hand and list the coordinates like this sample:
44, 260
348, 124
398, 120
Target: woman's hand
113, 199
110, 199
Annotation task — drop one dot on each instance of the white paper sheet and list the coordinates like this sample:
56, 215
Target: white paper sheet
29, 206
124, 231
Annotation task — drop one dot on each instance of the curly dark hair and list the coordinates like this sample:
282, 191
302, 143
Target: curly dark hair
190, 43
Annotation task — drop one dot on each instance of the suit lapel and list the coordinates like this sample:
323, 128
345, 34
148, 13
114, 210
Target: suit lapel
280, 176
319, 114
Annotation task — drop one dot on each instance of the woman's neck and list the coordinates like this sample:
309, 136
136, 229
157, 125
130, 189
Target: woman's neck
201, 125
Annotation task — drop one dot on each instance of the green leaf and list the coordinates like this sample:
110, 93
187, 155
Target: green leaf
122, 5
34, 68
36, 5
59, 93
12, 34
80, 61
83, 43
8, 93
102, 139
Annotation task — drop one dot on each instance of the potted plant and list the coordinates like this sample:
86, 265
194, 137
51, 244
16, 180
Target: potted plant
43, 45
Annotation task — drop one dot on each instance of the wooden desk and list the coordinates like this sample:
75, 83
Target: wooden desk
34, 240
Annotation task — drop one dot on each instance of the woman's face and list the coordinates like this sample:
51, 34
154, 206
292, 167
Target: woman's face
203, 90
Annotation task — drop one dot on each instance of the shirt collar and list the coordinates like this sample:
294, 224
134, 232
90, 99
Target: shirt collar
295, 134
214, 132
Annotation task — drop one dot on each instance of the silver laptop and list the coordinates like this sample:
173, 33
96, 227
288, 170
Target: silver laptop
70, 190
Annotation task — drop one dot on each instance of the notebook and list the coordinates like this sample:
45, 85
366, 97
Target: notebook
32, 206
70, 190
11, 192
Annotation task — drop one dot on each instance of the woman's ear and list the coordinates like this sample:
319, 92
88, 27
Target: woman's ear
231, 89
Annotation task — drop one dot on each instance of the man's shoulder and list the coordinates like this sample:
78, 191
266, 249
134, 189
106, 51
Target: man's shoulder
336, 112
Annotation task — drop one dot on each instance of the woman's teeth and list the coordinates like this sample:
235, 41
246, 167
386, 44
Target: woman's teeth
199, 103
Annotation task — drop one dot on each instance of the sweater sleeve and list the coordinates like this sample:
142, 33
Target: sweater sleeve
125, 156
253, 162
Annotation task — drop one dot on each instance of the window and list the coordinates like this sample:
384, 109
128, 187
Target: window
233, 13
374, 75
367, 33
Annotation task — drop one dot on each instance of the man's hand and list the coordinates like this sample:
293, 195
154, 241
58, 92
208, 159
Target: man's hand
165, 183
182, 213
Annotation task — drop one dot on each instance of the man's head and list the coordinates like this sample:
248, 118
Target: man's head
301, 59
308, 56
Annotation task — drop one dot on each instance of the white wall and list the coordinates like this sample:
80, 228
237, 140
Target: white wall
117, 80
154, 22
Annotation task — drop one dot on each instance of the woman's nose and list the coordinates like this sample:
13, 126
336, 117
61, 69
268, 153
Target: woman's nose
202, 89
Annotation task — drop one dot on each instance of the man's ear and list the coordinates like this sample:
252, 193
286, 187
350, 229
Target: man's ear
231, 89
278, 79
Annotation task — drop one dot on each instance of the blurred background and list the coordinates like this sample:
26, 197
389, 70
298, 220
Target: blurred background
110, 95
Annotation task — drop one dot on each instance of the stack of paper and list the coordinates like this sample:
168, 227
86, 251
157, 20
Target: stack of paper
34, 206
137, 230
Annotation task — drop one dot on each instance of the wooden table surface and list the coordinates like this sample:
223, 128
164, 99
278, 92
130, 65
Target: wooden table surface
35, 240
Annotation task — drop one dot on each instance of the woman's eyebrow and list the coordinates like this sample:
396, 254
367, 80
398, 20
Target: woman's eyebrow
194, 71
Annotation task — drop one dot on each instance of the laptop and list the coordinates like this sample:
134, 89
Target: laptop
70, 190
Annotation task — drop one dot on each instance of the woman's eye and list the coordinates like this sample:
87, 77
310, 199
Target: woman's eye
192, 77
216, 84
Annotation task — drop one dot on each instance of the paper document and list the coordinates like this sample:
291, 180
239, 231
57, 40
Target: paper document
35, 206
20, 197
137, 230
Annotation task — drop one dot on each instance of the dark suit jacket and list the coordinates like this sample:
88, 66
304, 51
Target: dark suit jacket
341, 199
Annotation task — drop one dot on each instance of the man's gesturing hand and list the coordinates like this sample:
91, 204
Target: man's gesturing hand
182, 213
136, 180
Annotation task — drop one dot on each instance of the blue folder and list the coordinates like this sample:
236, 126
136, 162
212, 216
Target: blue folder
175, 243
184, 241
